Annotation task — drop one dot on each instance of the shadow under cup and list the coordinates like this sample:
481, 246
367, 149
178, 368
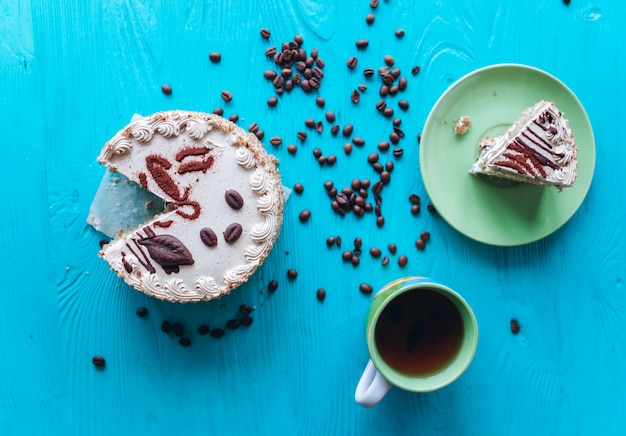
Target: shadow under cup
421, 335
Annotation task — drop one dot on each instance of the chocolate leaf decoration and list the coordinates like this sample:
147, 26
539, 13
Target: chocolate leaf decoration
167, 250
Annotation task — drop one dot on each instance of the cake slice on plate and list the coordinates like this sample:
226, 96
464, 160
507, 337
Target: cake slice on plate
538, 148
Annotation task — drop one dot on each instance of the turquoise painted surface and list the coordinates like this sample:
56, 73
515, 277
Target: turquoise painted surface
74, 72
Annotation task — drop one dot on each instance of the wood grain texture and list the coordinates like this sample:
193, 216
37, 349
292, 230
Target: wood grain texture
74, 72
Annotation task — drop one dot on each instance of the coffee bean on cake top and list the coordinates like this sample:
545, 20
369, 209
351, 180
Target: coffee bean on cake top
225, 205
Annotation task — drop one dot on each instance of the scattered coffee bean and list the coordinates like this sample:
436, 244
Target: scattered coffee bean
403, 104
369, 18
245, 309
355, 97
383, 91
276, 140
403, 260
273, 285
388, 112
270, 74
234, 118
385, 261
215, 57
347, 255
232, 233
415, 71
233, 199
98, 361
320, 102
347, 130
381, 105
253, 128
272, 101
414, 199
352, 62
355, 260
217, 333
218, 111
567, 2
208, 237
347, 148
141, 312
380, 221
292, 149
368, 72
330, 241
372, 157
431, 208
227, 96
319, 127
246, 320
415, 209
420, 244
392, 248
302, 136
366, 288
184, 341
204, 329
309, 122
399, 33
358, 141
334, 130
362, 87
375, 252
265, 33
298, 188
270, 51
383, 146
321, 294
385, 177
331, 160
389, 60
330, 116
425, 236
166, 326
515, 327
397, 152
233, 324
166, 89
304, 215
362, 43
292, 273
317, 152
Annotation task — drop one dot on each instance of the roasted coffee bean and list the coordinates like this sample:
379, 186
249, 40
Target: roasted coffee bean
396, 122
388, 112
338, 241
431, 208
227, 96
425, 236
98, 361
184, 342
399, 33
388, 79
389, 166
234, 118
402, 261
402, 83
166, 327
233, 324
515, 327
365, 288
415, 209
286, 72
347, 130
347, 148
321, 294
375, 252
355, 97
330, 116
178, 329
292, 149
368, 72
218, 111
355, 261
393, 90
317, 73
233, 199
309, 122
362, 87
304, 215
369, 18
358, 141
334, 130
265, 33
377, 187
381, 105
320, 62
365, 183
395, 72
373, 157
305, 85
319, 127
215, 56
415, 71
272, 101
397, 152
330, 241
414, 199
346, 255
246, 320
278, 82
356, 184
328, 185
420, 244
403, 104
217, 333
383, 91
142, 312
320, 102
392, 248
317, 152
208, 237
358, 242
253, 128
383, 146
389, 60
385, 261
166, 89
378, 167
352, 62
362, 43
302, 136
245, 309
273, 285
331, 160
298, 188
314, 82
377, 210
204, 329
232, 233
380, 221
276, 140
292, 273
270, 52
270, 74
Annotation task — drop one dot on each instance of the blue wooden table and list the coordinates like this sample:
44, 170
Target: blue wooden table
74, 72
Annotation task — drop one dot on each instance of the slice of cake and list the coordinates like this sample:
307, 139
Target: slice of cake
224, 205
538, 148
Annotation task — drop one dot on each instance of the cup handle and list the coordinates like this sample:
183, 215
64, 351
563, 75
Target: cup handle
372, 386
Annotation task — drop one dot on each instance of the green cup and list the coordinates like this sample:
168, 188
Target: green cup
421, 336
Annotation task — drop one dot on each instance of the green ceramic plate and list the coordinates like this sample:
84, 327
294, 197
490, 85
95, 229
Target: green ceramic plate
486, 209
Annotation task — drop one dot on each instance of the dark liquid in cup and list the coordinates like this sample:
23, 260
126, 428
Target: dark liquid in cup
419, 333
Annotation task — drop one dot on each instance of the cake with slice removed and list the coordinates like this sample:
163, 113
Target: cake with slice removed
224, 205
538, 148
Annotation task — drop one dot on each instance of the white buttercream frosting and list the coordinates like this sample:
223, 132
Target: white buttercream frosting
191, 159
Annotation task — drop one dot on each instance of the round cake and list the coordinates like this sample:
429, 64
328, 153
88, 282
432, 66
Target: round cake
224, 205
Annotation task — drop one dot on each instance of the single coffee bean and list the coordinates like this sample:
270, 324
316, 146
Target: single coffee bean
352, 62
321, 294
383, 91
346, 255
272, 101
227, 96
384, 70
347, 130
347, 148
309, 122
302, 136
394, 89
320, 102
399, 33
232, 233
374, 4
270, 52
246, 320
403, 260
166, 89
305, 85
208, 237
273, 285
358, 141
378, 167
392, 248
298, 188
184, 341
515, 327
402, 83
366, 288
292, 273
328, 185
389, 60
204, 329
381, 105
178, 329
388, 112
233, 199
166, 326
385, 177
331, 160
141, 312
415, 209
305, 215
338, 241
317, 152
415, 70
383, 146
253, 128
362, 87
397, 152
217, 333
368, 72
215, 56
355, 97
389, 166
276, 140
234, 118
431, 208
403, 104
425, 236
385, 261
330, 241
334, 130
98, 361
375, 252
292, 149
330, 116
362, 43
218, 111
319, 127
245, 309
265, 33
355, 261
369, 18
270, 74
380, 221
233, 324
414, 199
372, 157
420, 244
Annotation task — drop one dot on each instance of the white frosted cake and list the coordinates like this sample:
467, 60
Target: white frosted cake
538, 148
224, 205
